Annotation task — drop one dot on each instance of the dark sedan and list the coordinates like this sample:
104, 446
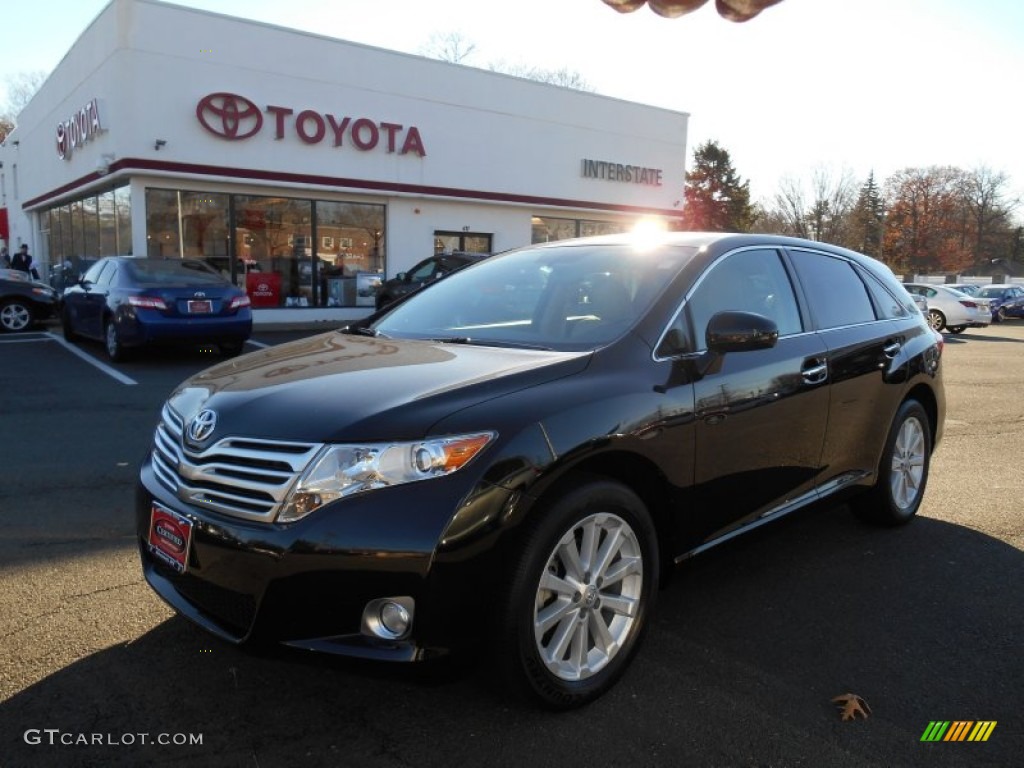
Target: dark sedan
1006, 301
128, 303
426, 271
516, 455
24, 301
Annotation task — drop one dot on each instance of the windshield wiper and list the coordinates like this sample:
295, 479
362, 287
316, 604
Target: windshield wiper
362, 330
488, 342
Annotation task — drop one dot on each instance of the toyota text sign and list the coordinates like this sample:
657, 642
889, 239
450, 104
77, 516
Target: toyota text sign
233, 117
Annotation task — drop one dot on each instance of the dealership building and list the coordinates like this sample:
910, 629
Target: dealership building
308, 168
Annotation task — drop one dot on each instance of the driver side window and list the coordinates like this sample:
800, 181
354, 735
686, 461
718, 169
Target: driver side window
746, 281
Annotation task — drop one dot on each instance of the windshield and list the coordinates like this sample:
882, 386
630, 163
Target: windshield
555, 297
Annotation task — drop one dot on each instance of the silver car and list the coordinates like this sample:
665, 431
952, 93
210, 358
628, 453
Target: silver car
950, 309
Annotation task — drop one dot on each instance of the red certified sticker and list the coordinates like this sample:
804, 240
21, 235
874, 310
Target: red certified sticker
170, 537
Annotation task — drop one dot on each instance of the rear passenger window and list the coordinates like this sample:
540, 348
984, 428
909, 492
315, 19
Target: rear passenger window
887, 305
835, 292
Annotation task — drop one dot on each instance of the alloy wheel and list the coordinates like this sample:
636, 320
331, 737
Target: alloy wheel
588, 597
908, 463
15, 316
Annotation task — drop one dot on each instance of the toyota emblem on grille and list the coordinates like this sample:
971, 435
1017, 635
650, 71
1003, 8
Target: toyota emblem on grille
202, 426
199, 295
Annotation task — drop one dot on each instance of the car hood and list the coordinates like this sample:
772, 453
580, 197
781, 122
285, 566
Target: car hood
337, 387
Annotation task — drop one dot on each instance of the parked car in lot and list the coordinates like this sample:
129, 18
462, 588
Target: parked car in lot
24, 301
1005, 300
518, 454
427, 271
128, 302
971, 289
951, 310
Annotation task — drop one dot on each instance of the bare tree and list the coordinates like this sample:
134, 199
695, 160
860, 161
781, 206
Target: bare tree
790, 208
565, 77
988, 208
21, 87
833, 198
453, 47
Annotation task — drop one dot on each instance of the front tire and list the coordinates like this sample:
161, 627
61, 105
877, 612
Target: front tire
936, 320
579, 596
15, 316
903, 470
1000, 315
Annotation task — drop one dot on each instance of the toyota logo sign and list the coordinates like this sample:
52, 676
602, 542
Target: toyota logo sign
202, 426
229, 116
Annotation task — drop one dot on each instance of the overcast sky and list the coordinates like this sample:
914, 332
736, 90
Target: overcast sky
855, 85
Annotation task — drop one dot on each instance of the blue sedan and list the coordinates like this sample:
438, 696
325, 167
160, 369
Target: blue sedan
1006, 300
128, 303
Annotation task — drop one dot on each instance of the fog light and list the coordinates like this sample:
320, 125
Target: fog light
388, 618
394, 618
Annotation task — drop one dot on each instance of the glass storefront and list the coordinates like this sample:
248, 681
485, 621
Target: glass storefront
286, 252
78, 232
466, 242
547, 229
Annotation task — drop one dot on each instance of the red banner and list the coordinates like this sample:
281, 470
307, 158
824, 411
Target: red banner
264, 288
5, 229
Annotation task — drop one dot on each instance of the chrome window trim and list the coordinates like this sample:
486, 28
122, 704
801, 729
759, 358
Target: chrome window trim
682, 304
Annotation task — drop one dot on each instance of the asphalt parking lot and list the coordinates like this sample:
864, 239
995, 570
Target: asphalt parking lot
750, 642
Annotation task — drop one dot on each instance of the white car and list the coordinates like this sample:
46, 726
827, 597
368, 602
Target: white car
950, 309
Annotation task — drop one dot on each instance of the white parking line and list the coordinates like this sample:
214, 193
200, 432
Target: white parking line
111, 372
259, 344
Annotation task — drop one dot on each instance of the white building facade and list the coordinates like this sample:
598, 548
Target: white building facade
308, 168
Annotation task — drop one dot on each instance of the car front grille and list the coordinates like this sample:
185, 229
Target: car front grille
241, 477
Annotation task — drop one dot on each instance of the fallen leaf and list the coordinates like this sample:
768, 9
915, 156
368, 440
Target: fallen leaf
851, 705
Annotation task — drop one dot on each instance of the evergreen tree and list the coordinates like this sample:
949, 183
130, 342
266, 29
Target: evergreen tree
868, 219
717, 200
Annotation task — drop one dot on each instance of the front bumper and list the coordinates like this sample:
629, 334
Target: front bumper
306, 584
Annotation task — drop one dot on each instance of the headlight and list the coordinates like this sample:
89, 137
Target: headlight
342, 470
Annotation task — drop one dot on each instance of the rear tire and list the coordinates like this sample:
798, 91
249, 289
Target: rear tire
69, 330
903, 470
112, 341
578, 598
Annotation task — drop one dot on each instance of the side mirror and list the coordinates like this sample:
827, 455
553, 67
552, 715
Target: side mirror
740, 332
402, 277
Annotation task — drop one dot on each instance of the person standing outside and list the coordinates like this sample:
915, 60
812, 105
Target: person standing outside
22, 261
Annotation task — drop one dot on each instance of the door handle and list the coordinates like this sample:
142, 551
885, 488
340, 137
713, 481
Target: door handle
815, 371
892, 349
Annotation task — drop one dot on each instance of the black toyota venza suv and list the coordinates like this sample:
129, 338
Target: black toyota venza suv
516, 455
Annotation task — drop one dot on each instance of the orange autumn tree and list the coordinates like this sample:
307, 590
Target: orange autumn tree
925, 221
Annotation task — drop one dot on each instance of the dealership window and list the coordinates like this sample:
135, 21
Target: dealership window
273, 236
547, 229
466, 242
82, 230
287, 252
357, 253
